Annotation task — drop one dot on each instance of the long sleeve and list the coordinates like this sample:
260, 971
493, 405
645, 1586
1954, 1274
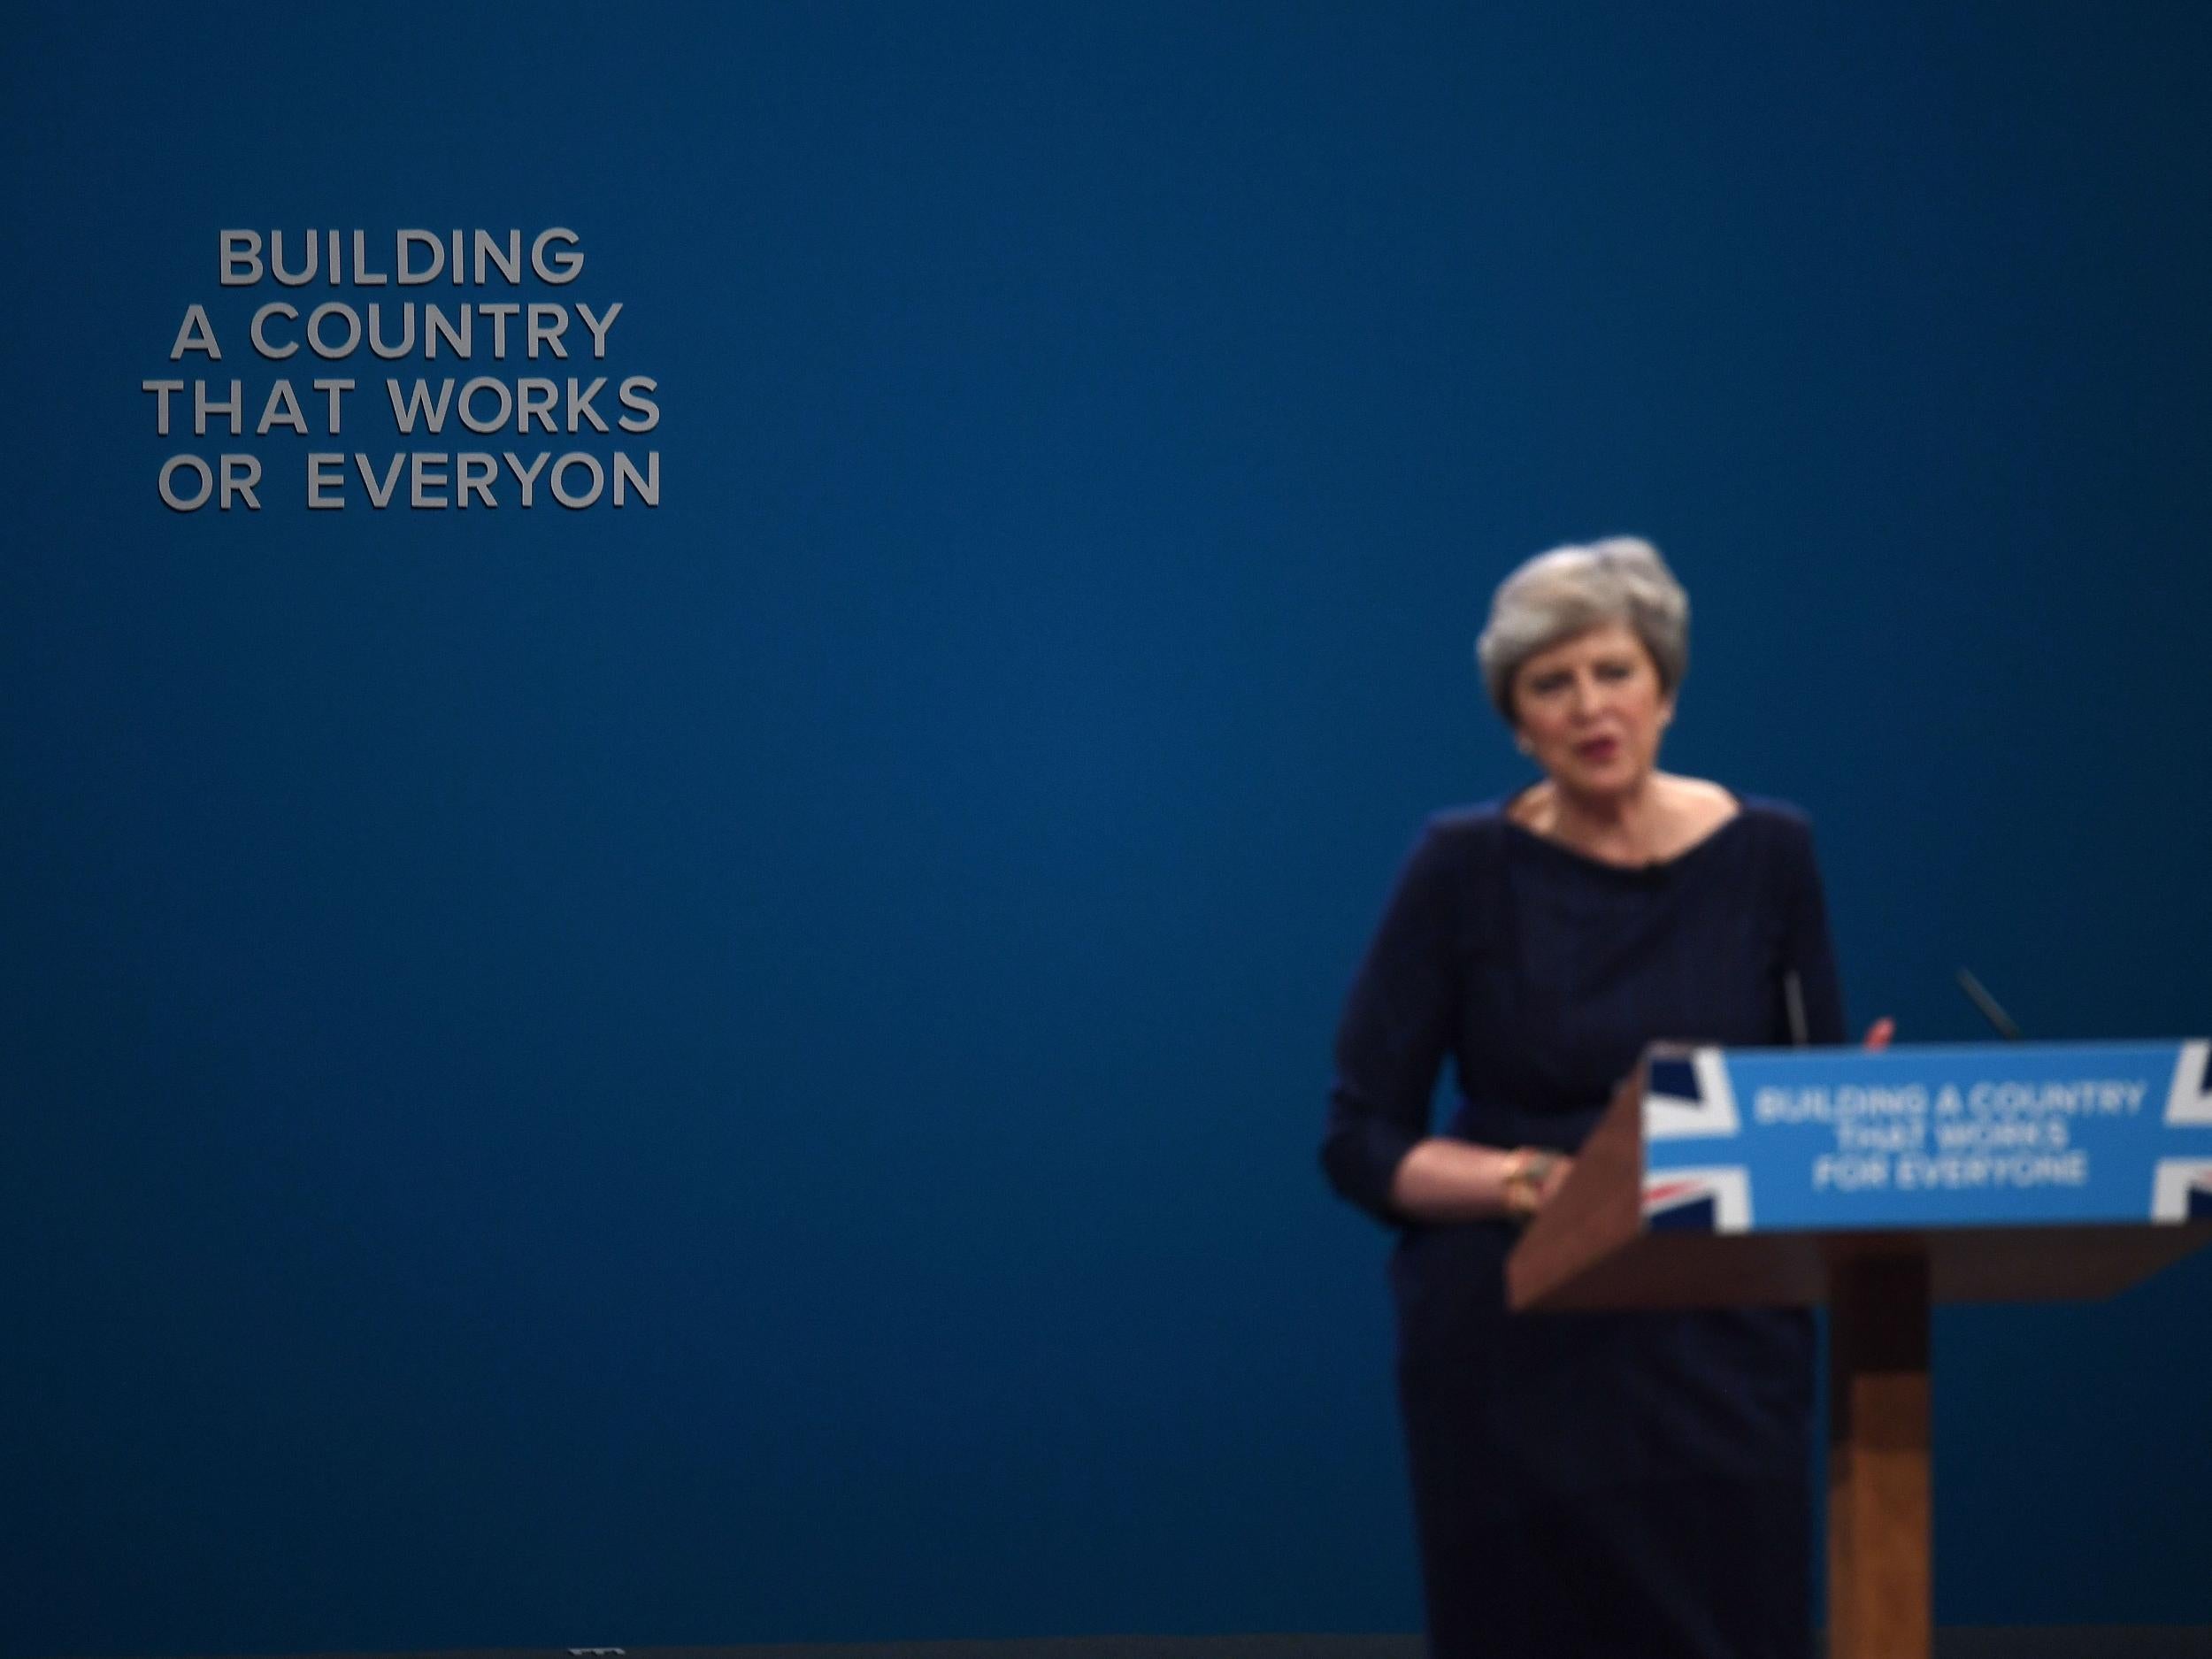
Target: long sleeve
1806, 949
1395, 1028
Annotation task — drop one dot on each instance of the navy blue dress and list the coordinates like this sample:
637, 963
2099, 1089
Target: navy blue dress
1596, 1483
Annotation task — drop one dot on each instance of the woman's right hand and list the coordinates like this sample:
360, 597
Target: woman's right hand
1532, 1176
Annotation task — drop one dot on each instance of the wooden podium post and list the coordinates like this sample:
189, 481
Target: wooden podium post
1880, 1601
1680, 1199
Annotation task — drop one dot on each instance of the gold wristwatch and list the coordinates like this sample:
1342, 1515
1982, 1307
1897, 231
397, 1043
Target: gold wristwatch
1526, 1170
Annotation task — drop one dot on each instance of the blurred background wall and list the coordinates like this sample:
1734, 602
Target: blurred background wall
748, 1069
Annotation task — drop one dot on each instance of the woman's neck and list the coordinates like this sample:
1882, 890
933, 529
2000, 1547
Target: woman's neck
1634, 826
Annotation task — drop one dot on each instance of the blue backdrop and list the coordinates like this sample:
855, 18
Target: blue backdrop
748, 1069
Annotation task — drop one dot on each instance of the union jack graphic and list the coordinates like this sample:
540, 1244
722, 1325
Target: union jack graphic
1715, 1199
2181, 1190
1689, 1097
2190, 1099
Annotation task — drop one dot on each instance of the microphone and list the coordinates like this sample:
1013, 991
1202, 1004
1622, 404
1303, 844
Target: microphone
1978, 995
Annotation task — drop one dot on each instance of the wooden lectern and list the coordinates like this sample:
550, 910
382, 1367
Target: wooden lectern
1878, 1184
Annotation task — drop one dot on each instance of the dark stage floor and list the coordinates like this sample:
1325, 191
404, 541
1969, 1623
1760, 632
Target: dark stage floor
2096, 1641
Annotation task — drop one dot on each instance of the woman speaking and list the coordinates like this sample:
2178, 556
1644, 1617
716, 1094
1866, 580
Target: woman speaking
1584, 1485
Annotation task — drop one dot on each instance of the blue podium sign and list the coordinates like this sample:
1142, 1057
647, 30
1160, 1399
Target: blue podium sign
1738, 1140
1879, 1185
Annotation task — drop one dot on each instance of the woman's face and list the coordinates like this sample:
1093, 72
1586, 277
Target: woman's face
1590, 711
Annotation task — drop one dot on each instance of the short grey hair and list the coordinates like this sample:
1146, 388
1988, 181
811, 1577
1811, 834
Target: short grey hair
1572, 589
